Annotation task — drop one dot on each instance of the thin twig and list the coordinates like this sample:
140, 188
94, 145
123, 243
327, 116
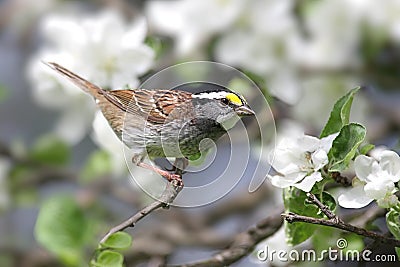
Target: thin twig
325, 209
242, 245
167, 197
336, 222
292, 217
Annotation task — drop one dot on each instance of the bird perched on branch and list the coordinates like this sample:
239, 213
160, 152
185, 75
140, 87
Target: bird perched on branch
164, 122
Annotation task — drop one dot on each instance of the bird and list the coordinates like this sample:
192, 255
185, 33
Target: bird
164, 122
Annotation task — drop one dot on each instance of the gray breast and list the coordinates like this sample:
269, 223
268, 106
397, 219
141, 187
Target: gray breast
181, 138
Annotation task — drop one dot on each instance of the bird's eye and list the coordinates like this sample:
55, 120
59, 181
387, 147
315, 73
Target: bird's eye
225, 101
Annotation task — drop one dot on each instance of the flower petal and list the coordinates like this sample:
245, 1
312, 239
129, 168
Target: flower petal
319, 159
390, 162
280, 181
308, 182
363, 167
326, 142
308, 143
378, 189
354, 198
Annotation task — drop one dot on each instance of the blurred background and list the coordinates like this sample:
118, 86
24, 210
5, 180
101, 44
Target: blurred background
60, 161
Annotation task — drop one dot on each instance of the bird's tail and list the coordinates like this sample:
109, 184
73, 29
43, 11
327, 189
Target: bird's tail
85, 85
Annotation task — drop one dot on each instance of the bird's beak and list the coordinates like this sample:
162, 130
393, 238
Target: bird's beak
244, 111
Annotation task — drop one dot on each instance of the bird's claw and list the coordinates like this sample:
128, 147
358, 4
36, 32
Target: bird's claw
175, 179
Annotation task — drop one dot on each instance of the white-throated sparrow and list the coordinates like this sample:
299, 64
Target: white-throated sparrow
164, 123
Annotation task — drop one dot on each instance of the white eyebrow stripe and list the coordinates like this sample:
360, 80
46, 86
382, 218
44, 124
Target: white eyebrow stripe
212, 95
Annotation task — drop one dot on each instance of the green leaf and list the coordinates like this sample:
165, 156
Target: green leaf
97, 165
393, 224
328, 200
340, 114
118, 240
61, 228
366, 148
50, 150
345, 146
294, 200
108, 258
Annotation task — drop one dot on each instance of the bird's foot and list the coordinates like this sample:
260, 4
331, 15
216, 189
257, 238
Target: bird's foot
176, 179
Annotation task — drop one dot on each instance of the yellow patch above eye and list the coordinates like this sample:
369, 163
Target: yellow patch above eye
234, 99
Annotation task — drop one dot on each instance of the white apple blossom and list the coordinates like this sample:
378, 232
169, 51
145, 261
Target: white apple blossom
192, 22
376, 180
298, 161
103, 48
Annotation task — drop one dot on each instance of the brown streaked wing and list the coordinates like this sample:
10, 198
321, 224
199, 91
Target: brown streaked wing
169, 104
147, 103
155, 105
